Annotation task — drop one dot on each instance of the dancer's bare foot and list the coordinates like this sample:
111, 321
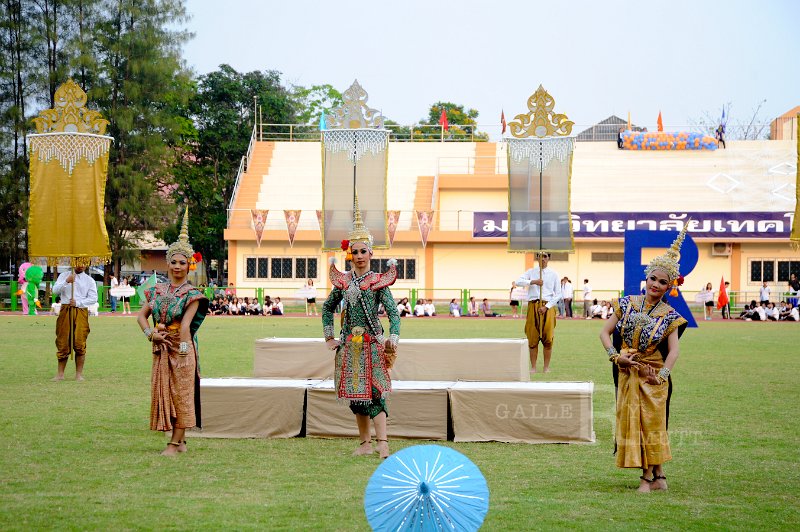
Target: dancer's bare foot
533, 370
182, 447
547, 370
78, 377
171, 450
364, 449
58, 378
383, 449
644, 485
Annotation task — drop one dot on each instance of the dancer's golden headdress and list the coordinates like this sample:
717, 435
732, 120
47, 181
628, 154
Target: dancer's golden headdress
182, 245
668, 262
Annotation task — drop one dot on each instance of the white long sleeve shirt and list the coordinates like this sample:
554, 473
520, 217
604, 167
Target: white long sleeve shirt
85, 289
550, 289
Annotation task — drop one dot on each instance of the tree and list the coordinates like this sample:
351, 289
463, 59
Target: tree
752, 127
462, 124
222, 113
140, 72
310, 102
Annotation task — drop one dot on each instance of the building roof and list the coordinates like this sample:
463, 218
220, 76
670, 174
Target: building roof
605, 130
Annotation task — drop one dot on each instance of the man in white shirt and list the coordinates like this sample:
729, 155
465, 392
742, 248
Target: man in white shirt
763, 293
566, 294
77, 291
114, 283
587, 299
544, 292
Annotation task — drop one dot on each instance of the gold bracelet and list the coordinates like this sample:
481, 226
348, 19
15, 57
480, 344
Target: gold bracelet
613, 358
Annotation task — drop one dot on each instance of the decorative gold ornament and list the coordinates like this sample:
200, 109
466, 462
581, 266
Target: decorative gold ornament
668, 262
354, 112
360, 233
70, 114
182, 246
540, 121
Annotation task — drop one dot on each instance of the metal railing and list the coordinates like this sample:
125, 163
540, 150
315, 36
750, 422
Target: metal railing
785, 128
244, 164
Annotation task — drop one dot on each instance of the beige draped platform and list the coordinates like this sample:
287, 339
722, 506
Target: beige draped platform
429, 359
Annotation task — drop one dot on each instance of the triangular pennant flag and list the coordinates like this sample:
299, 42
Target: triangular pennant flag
259, 221
292, 219
659, 122
424, 221
392, 217
502, 122
443, 121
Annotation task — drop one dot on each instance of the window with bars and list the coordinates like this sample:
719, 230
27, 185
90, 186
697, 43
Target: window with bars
257, 267
762, 270
280, 268
305, 268
786, 268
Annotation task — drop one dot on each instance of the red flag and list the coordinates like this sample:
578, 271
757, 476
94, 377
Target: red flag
443, 121
502, 121
722, 298
660, 123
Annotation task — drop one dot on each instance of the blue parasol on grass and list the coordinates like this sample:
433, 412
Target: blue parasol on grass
426, 487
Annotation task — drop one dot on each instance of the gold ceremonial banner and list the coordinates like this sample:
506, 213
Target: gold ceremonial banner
539, 175
259, 221
794, 238
68, 170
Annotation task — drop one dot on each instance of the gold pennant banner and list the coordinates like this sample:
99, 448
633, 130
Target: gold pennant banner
259, 222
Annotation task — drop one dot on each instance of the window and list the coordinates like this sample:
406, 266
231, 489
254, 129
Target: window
281, 268
256, 267
786, 268
762, 270
305, 268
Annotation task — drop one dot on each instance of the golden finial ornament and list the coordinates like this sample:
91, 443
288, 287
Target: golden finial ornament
360, 233
540, 121
69, 114
182, 245
668, 262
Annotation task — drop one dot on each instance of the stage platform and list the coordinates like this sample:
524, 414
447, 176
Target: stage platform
533, 412
474, 359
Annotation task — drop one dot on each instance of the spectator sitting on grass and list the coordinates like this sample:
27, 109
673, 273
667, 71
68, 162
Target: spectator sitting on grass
403, 308
745, 313
277, 307
596, 310
472, 307
419, 308
771, 312
430, 310
487, 309
455, 309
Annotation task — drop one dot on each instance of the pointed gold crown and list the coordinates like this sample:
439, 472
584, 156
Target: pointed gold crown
360, 233
182, 246
668, 262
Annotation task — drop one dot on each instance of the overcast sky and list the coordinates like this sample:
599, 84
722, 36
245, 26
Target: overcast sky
596, 58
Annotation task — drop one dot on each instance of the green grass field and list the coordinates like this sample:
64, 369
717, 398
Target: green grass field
80, 455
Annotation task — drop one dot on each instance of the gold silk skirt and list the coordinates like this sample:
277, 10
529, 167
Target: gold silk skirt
641, 431
172, 384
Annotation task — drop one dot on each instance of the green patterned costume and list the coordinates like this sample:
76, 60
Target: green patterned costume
361, 375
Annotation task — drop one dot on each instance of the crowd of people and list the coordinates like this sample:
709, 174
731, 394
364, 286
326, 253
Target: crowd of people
230, 305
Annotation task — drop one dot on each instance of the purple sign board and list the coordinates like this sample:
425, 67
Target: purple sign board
720, 225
